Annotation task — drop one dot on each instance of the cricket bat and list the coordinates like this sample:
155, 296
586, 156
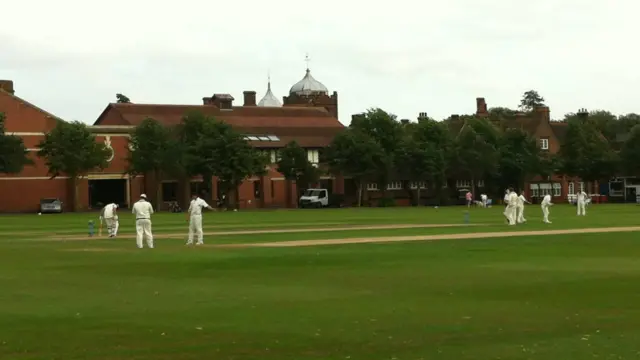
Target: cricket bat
100, 229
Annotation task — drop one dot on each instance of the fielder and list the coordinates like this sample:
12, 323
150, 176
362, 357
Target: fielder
109, 216
512, 207
581, 202
483, 198
194, 216
546, 203
520, 208
143, 210
506, 204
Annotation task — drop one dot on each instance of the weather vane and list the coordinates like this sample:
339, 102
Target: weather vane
307, 59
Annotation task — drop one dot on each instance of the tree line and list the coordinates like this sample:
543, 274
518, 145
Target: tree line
375, 148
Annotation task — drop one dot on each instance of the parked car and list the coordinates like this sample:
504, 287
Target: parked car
50, 206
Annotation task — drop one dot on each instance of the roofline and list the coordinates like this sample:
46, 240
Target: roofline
50, 115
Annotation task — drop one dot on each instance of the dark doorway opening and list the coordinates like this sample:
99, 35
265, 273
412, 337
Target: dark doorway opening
102, 192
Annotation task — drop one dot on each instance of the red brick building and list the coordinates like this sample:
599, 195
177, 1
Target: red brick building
308, 115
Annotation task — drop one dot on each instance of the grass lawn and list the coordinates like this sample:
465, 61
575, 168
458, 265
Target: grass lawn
530, 297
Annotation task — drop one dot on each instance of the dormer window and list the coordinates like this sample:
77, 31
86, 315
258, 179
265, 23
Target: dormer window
544, 143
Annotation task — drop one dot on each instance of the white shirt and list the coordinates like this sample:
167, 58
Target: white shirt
483, 197
546, 200
506, 198
581, 196
521, 200
142, 209
195, 208
513, 199
109, 210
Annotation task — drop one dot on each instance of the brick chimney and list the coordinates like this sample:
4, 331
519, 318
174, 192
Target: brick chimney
422, 115
455, 117
543, 112
7, 85
207, 101
481, 107
583, 114
249, 98
223, 101
404, 121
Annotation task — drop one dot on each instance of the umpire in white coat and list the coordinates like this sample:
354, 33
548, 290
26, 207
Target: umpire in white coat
194, 215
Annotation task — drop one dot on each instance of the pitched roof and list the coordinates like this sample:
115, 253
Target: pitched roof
13, 96
309, 126
559, 129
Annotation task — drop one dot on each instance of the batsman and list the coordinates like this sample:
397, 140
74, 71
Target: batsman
109, 215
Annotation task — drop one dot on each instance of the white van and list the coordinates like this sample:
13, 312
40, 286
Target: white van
317, 198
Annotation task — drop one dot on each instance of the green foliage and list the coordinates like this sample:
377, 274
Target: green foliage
294, 165
630, 153
520, 158
476, 150
71, 149
586, 153
122, 99
13, 153
530, 100
152, 149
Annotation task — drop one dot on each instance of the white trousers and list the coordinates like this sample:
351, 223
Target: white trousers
511, 215
112, 225
520, 218
195, 228
545, 213
143, 230
581, 205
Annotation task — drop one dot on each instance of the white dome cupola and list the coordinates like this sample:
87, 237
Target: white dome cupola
308, 85
269, 100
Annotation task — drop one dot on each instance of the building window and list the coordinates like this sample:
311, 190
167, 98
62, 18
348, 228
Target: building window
545, 189
170, 191
557, 189
463, 184
394, 185
275, 156
257, 194
481, 183
313, 156
535, 190
571, 189
415, 184
544, 143
372, 187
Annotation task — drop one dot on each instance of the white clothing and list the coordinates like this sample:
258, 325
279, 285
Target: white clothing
112, 225
546, 203
483, 199
143, 210
143, 230
109, 210
511, 211
195, 220
520, 209
195, 208
581, 202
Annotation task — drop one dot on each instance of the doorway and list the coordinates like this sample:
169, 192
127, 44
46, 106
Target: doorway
102, 192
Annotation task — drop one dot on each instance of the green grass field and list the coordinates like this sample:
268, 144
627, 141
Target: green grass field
67, 296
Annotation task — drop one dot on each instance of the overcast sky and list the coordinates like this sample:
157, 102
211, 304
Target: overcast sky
71, 57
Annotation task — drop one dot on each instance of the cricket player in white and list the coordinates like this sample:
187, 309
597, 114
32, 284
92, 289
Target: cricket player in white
546, 203
143, 211
109, 215
194, 215
581, 202
520, 209
483, 198
512, 207
506, 204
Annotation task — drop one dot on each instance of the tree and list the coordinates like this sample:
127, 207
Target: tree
122, 99
13, 153
295, 166
354, 153
385, 129
153, 150
519, 158
585, 152
71, 149
630, 153
530, 100
476, 151
214, 148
